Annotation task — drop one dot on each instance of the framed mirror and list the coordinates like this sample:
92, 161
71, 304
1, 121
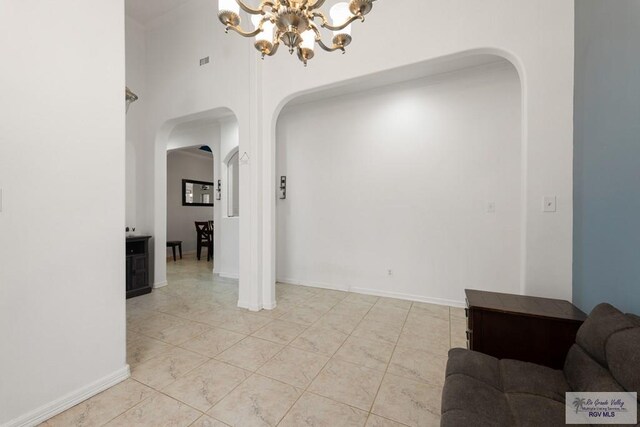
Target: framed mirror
197, 193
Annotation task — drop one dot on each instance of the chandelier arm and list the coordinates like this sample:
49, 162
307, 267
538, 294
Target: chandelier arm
325, 21
316, 30
239, 30
270, 4
318, 14
327, 48
254, 11
328, 26
253, 33
274, 49
317, 4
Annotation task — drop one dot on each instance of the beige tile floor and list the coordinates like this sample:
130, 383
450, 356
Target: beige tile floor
322, 358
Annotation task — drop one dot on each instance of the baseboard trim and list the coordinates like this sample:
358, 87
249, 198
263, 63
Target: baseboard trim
160, 284
247, 306
321, 285
374, 292
228, 275
271, 306
408, 297
52, 409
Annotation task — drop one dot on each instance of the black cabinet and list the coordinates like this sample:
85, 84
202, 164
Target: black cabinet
137, 280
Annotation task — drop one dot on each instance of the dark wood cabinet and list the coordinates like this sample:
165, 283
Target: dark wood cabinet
531, 329
137, 270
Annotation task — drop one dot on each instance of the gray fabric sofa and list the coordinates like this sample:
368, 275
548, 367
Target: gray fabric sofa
481, 390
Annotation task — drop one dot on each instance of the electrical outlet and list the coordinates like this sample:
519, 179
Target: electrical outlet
390, 272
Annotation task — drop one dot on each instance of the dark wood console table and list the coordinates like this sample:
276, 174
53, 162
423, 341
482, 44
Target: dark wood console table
531, 329
137, 272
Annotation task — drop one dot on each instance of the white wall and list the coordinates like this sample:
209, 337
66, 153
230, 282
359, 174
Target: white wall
435, 32
135, 79
181, 165
404, 185
62, 169
227, 228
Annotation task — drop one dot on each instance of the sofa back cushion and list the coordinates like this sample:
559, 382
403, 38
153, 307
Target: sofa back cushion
604, 321
623, 358
635, 319
583, 373
606, 355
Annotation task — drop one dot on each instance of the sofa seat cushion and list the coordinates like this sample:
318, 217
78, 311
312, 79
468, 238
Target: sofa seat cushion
493, 392
524, 377
535, 411
475, 365
461, 417
475, 399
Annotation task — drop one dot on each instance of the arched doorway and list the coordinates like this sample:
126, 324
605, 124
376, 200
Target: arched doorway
362, 228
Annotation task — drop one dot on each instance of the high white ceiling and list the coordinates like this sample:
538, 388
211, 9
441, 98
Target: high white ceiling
144, 11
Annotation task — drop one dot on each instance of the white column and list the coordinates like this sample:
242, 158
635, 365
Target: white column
251, 226
269, 180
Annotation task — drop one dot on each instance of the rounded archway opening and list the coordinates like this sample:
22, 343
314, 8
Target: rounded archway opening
408, 183
216, 129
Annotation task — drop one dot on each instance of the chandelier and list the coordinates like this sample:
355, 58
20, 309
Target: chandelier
295, 23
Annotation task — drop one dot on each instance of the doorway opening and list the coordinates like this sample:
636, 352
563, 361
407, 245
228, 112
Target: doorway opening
190, 203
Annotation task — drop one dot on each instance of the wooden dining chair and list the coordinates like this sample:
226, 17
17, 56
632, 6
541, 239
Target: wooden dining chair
205, 238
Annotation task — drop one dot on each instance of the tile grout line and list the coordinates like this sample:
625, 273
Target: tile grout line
253, 373
316, 293
388, 363
156, 391
306, 389
313, 379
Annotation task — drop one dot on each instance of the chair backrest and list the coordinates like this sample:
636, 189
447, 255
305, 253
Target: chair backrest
606, 354
204, 233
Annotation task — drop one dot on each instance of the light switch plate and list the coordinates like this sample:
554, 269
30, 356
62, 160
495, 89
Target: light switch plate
491, 207
549, 204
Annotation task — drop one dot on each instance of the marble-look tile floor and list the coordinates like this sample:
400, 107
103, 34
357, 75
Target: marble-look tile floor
321, 358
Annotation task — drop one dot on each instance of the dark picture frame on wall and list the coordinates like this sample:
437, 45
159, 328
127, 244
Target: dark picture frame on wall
193, 192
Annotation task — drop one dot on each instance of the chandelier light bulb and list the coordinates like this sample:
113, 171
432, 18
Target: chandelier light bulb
255, 20
340, 13
267, 28
308, 40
